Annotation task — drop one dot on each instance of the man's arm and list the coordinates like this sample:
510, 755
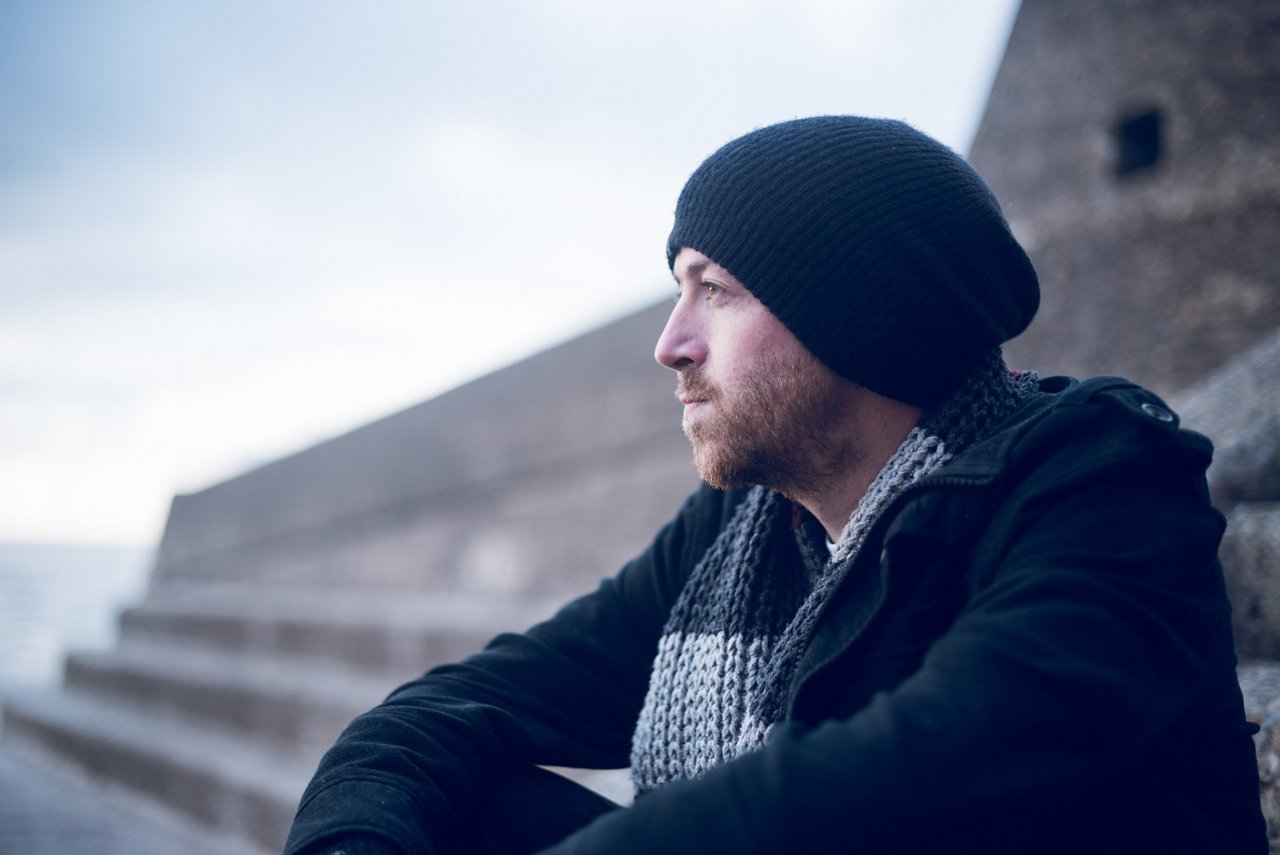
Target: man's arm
565, 693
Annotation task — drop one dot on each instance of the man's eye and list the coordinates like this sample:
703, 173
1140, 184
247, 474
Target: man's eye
711, 289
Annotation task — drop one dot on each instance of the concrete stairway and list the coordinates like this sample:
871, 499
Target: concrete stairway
218, 706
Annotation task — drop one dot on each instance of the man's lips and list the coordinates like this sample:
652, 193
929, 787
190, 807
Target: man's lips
694, 401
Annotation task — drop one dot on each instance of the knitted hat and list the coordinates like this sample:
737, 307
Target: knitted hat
877, 246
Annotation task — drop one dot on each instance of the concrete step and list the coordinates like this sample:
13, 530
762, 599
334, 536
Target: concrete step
48, 810
294, 705
280, 702
236, 788
402, 634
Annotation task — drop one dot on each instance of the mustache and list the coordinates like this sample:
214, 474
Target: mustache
695, 386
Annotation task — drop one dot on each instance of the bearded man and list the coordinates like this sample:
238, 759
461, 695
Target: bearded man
921, 604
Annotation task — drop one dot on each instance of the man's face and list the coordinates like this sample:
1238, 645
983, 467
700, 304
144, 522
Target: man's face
759, 408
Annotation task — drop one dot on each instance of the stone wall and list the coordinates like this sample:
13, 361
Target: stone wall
1237, 407
1134, 144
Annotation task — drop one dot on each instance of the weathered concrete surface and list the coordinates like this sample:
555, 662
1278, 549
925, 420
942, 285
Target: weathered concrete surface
47, 811
496, 487
221, 698
1260, 683
1250, 556
1162, 273
1238, 407
229, 784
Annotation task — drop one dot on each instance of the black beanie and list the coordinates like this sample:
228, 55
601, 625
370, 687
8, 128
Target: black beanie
878, 247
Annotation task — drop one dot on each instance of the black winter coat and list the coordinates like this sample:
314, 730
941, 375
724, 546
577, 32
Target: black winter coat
1045, 666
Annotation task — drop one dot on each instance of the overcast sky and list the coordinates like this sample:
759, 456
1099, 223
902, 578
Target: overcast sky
230, 230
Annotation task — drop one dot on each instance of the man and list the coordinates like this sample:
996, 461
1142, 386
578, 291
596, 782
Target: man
923, 604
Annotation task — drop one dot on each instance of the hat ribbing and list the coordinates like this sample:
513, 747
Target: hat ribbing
878, 247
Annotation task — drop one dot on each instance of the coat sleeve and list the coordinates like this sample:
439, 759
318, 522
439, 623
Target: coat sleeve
1088, 636
566, 692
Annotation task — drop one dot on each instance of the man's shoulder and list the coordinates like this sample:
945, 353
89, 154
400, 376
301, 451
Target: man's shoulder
1115, 411
1077, 422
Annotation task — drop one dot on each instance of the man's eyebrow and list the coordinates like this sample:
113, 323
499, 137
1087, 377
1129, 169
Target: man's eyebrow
694, 269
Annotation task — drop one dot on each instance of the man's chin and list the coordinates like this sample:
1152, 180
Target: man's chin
716, 471
713, 479
705, 463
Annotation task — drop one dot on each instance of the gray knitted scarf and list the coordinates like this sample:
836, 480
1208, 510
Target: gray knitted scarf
745, 616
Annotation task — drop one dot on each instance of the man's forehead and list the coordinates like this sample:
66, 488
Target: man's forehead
690, 262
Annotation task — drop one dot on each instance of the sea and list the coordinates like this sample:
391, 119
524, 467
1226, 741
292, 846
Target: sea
57, 598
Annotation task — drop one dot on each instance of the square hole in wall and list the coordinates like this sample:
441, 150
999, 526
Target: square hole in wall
1138, 142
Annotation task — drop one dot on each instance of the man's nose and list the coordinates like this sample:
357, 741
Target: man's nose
681, 344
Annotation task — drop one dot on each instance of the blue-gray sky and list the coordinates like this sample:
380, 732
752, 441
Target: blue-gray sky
229, 230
